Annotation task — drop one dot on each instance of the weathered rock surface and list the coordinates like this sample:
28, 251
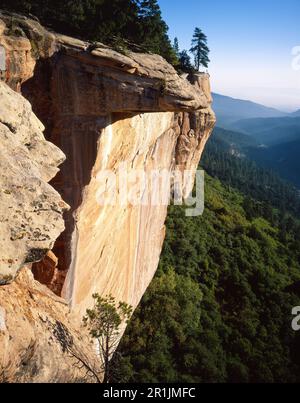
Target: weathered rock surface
103, 109
30, 209
119, 246
39, 342
128, 82
24, 40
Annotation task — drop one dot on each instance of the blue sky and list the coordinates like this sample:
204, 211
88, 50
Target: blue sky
251, 44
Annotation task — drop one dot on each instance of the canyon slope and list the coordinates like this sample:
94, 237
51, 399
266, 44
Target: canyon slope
87, 109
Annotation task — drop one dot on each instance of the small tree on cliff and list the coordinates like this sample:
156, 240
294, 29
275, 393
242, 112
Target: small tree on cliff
104, 322
200, 49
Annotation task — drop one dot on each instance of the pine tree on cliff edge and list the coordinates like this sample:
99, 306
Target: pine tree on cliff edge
200, 49
176, 47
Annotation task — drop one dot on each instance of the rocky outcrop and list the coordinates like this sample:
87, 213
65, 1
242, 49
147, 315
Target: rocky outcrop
30, 210
105, 110
38, 339
24, 41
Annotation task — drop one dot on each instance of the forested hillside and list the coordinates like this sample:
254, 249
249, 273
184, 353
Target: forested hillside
275, 141
270, 131
119, 24
283, 158
219, 308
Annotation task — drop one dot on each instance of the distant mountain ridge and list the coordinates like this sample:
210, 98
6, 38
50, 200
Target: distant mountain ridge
296, 114
280, 153
270, 130
230, 110
266, 135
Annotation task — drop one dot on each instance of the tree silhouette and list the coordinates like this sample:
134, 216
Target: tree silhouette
176, 47
200, 49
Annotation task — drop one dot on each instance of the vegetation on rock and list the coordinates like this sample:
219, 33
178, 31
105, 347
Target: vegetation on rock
104, 323
122, 24
107, 21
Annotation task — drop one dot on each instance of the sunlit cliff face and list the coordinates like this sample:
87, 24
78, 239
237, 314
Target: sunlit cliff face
101, 109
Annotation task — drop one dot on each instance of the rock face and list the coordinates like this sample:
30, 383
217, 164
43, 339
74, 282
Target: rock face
119, 246
30, 210
106, 111
39, 342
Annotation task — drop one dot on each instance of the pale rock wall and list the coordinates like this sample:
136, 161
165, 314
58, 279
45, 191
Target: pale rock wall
116, 249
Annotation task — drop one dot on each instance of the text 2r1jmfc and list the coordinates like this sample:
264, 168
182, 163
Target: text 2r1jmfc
166, 393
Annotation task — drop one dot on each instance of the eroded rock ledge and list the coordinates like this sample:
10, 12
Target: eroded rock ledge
102, 108
128, 82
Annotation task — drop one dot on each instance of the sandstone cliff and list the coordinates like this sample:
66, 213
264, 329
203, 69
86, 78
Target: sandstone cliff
102, 109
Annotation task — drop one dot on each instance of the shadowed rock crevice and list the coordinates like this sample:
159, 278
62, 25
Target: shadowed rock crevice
50, 94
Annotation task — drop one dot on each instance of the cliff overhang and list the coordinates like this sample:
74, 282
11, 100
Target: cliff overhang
94, 108
149, 82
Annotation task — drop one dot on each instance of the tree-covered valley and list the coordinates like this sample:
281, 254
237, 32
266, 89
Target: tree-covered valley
219, 308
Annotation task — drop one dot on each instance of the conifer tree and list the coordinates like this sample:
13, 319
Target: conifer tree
200, 49
185, 62
176, 46
104, 322
134, 21
154, 31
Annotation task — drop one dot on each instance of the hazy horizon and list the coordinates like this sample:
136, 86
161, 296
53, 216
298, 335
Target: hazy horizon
280, 109
251, 46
